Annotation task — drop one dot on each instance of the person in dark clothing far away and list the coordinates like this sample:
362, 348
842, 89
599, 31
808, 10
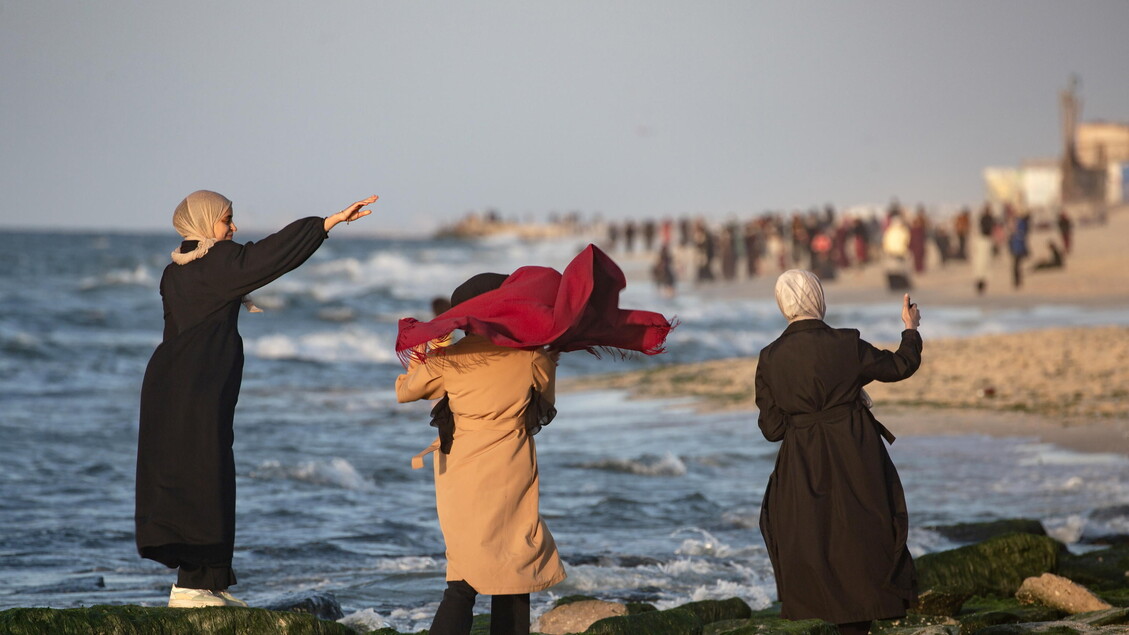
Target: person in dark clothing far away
185, 489
834, 515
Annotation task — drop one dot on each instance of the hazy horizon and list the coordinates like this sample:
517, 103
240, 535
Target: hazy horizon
114, 111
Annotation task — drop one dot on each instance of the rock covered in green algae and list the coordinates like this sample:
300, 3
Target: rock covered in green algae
997, 566
669, 622
940, 602
139, 620
979, 532
770, 626
1101, 570
974, 622
710, 611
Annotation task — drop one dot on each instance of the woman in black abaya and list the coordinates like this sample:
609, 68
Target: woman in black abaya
834, 515
185, 514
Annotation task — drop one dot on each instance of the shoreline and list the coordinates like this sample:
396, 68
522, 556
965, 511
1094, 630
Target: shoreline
1071, 389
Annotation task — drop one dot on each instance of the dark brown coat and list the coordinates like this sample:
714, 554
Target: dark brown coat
834, 515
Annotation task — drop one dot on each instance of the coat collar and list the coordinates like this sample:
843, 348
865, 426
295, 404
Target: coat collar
805, 325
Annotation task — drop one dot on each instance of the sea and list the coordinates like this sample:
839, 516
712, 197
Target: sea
648, 500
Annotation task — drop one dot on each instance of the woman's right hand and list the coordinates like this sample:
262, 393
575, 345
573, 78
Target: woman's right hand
910, 315
350, 214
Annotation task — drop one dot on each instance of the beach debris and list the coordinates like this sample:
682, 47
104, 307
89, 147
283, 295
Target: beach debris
1059, 593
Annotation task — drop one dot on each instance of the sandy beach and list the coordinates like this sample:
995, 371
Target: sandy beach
1067, 386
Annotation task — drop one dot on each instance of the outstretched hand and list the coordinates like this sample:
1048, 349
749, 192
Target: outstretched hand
351, 213
910, 315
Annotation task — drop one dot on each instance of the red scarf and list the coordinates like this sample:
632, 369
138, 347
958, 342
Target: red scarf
539, 306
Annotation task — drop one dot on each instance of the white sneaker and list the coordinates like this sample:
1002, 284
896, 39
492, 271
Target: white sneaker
183, 598
231, 599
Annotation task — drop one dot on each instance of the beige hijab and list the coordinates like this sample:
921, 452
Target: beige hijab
194, 219
800, 295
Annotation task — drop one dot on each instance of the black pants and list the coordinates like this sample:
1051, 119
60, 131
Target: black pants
212, 577
509, 614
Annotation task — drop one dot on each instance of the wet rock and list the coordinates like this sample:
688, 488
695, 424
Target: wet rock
1059, 593
938, 602
1097, 570
138, 620
979, 532
323, 606
975, 622
1100, 528
770, 626
669, 622
634, 608
575, 617
1107, 617
709, 611
933, 629
997, 566
1065, 627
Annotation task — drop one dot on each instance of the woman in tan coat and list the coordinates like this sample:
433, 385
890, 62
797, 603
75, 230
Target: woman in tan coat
486, 480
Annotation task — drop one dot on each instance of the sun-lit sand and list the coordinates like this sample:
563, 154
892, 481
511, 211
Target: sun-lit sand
1068, 386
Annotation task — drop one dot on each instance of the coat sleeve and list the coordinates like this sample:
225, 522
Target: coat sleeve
420, 382
880, 365
771, 419
545, 376
255, 264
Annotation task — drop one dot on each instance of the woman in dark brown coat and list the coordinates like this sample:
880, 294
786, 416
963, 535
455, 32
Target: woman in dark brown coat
834, 515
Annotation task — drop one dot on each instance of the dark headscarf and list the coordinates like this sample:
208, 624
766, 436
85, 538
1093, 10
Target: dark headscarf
476, 286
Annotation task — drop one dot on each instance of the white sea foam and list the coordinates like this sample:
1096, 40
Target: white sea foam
408, 563
705, 545
364, 621
336, 472
666, 465
1067, 530
352, 344
139, 276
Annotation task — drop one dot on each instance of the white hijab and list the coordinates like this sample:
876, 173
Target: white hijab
194, 219
800, 295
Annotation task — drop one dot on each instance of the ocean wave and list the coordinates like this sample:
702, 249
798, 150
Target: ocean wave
705, 545
346, 345
364, 621
336, 472
758, 596
138, 276
646, 465
408, 563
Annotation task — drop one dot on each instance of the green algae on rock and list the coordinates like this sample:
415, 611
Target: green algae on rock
997, 566
139, 620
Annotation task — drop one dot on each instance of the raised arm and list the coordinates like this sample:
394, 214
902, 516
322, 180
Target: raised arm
255, 264
880, 365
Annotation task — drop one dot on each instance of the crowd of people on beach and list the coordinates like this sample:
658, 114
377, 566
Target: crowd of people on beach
905, 243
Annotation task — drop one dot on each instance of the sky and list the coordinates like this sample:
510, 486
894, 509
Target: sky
112, 111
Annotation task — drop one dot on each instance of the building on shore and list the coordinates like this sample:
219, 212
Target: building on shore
1092, 171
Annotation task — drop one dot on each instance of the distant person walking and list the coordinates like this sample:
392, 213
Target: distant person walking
983, 247
834, 515
185, 514
1017, 245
